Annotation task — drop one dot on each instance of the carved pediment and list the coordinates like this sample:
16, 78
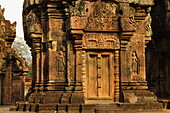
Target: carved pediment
104, 10
103, 17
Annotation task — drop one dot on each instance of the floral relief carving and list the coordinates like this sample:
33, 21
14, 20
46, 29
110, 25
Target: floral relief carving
102, 24
101, 41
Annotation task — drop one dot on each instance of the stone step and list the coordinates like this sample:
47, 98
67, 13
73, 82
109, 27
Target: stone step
14, 108
87, 108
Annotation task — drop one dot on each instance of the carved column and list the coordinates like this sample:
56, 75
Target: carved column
36, 39
84, 72
124, 41
55, 38
117, 79
43, 45
133, 73
22, 87
33, 69
78, 59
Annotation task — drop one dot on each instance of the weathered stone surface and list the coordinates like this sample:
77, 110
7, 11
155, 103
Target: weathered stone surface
89, 52
13, 67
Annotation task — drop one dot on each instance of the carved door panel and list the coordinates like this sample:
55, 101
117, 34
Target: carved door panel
100, 76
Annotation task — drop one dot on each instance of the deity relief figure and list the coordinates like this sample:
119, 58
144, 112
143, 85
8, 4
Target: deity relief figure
135, 62
148, 21
60, 63
100, 41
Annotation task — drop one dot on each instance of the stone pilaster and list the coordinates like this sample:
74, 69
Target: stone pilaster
134, 84
117, 77
36, 39
77, 40
56, 49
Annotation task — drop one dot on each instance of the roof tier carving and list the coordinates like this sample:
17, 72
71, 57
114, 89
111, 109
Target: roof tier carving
8, 54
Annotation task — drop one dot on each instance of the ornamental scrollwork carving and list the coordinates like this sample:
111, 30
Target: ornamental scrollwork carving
128, 24
102, 24
127, 17
100, 41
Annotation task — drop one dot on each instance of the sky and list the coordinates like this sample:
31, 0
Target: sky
13, 12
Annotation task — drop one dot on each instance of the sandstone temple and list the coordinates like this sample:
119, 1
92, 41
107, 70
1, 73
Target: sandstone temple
13, 67
97, 56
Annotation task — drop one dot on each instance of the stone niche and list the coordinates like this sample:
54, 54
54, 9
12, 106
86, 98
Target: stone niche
88, 55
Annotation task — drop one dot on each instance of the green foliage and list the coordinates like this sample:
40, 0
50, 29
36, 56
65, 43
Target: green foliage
20, 45
29, 72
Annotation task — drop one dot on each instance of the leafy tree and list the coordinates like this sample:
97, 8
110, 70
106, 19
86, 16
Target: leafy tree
30, 71
20, 45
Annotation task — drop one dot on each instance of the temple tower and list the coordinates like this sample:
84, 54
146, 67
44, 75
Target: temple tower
87, 53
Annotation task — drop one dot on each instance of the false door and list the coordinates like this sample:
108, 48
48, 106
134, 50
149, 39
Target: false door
100, 75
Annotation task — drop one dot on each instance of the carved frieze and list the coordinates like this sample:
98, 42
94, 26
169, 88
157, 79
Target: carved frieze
102, 24
100, 41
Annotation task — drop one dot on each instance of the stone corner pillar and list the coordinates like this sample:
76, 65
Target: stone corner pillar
133, 73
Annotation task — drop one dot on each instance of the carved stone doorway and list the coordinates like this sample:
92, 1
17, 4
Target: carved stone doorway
100, 76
